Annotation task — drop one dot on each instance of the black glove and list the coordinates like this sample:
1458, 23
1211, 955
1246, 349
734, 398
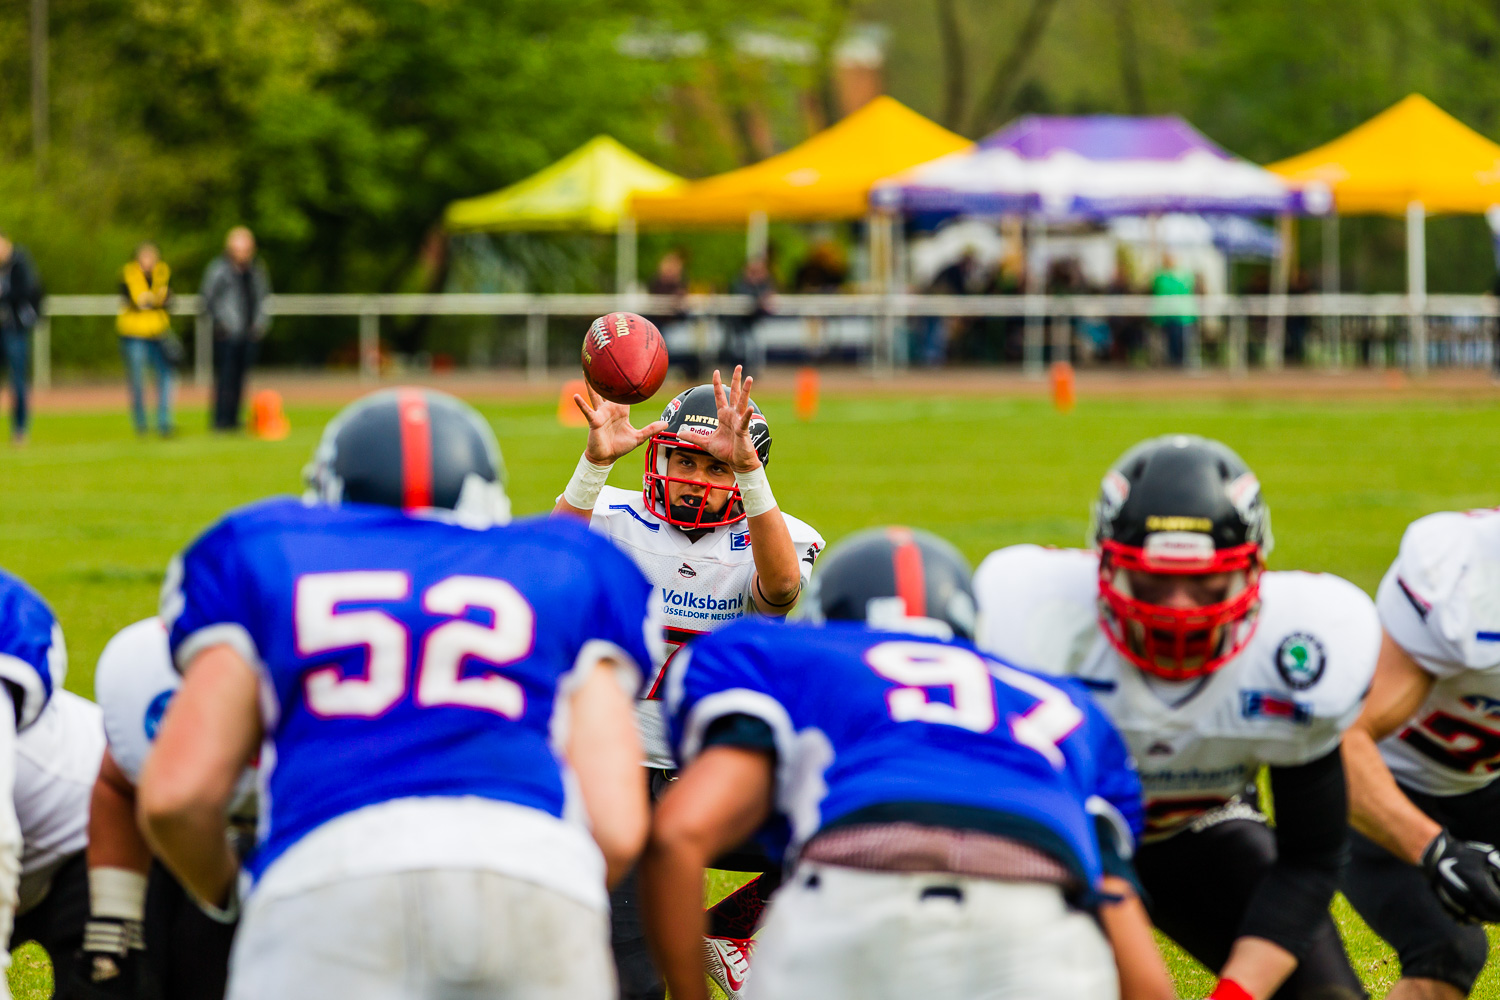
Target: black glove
111, 963
1465, 874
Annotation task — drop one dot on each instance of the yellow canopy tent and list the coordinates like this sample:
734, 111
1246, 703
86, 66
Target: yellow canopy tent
587, 189
827, 177
1411, 159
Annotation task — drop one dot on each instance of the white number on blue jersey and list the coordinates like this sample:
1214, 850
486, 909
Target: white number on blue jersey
918, 666
322, 628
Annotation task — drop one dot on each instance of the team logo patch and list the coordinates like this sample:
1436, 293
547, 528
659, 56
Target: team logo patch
1113, 492
739, 541
1269, 705
154, 711
1483, 704
1300, 660
687, 571
812, 553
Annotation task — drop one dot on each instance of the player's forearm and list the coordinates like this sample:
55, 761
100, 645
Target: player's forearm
1143, 975
193, 843
672, 909
115, 840
604, 751
778, 575
1258, 966
1377, 806
566, 509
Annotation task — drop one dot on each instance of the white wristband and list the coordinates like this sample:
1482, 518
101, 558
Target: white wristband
117, 894
588, 479
755, 492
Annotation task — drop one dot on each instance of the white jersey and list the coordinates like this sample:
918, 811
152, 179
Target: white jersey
57, 761
1284, 700
1440, 601
702, 584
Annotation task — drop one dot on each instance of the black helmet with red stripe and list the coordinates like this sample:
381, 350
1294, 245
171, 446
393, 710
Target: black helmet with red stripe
899, 579
1180, 515
415, 449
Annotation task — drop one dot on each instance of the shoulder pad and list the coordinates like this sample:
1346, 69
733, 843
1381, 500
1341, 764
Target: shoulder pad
1319, 637
1038, 607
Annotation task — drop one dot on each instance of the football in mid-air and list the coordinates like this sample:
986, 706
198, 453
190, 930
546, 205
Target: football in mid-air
624, 357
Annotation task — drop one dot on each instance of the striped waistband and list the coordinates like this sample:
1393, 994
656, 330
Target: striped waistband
911, 847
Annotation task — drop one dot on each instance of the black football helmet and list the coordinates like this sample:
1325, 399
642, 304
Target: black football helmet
695, 411
415, 449
900, 579
1187, 506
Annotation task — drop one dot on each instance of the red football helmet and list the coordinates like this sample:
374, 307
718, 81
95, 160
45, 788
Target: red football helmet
695, 412
1180, 506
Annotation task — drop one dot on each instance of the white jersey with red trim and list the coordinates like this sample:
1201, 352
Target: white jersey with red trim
57, 761
1440, 601
1284, 700
703, 583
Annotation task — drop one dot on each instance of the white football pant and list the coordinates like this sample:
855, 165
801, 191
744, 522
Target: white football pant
422, 935
837, 933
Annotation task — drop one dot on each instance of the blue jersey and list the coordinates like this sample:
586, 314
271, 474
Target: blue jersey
875, 726
32, 655
404, 657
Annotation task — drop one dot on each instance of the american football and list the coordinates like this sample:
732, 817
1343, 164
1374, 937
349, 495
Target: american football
624, 357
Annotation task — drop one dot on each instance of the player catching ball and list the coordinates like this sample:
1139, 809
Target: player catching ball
1211, 667
706, 531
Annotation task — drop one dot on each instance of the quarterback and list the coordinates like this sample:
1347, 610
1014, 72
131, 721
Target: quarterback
707, 532
449, 768
1211, 667
956, 825
1423, 758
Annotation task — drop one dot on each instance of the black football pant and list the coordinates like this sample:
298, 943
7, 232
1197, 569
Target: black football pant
1398, 903
187, 951
56, 923
1198, 885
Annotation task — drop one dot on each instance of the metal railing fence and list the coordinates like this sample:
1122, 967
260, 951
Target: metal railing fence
1048, 319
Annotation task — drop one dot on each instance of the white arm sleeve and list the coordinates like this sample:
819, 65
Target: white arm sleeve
10, 835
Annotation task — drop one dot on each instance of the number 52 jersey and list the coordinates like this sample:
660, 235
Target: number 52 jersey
412, 665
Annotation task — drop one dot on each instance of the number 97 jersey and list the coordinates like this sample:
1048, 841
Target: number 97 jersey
871, 727
406, 657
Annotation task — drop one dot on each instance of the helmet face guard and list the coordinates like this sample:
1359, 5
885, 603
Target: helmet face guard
1178, 643
690, 515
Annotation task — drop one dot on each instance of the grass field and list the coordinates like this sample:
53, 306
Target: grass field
92, 515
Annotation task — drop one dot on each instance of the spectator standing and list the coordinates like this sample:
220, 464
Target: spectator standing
671, 279
145, 330
20, 307
740, 344
1176, 320
235, 288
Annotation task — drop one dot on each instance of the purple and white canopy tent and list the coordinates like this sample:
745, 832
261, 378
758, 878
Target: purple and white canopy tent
1093, 167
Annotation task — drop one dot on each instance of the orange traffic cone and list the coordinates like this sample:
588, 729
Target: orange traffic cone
1064, 388
568, 413
806, 405
267, 418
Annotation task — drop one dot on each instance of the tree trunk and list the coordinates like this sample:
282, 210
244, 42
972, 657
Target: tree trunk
955, 77
1009, 72
1130, 57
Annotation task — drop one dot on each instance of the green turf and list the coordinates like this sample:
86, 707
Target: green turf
91, 515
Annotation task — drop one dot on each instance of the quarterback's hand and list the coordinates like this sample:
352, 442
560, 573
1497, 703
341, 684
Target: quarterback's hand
610, 435
1465, 874
730, 442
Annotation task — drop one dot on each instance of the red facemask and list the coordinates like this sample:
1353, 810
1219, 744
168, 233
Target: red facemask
1178, 643
685, 515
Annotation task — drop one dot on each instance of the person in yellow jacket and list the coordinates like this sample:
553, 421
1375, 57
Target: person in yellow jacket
146, 338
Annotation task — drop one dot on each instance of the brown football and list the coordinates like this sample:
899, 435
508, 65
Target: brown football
624, 357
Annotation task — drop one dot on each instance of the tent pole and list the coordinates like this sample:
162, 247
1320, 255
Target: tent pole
757, 235
1416, 284
625, 258
1036, 290
1281, 269
881, 232
1333, 324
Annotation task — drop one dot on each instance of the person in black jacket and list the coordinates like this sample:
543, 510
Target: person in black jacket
20, 306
